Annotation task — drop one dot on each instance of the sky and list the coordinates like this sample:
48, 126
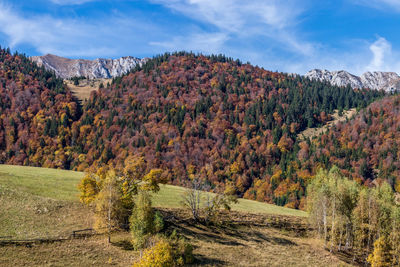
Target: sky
280, 35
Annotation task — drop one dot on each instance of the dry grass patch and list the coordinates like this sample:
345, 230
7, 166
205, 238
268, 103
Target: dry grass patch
93, 251
313, 132
86, 86
242, 239
245, 239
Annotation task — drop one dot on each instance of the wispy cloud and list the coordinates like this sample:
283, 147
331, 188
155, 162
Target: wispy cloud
381, 50
235, 15
357, 57
200, 42
48, 34
233, 19
74, 37
388, 5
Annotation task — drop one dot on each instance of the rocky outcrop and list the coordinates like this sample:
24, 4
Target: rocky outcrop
377, 80
98, 68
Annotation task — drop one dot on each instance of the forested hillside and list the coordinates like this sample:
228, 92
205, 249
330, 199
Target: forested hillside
36, 111
365, 148
232, 125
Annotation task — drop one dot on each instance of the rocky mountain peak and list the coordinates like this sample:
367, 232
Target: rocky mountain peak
97, 68
377, 80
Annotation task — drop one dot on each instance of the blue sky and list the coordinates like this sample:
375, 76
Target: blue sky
283, 35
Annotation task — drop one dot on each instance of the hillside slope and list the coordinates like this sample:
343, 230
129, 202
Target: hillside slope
36, 110
365, 148
230, 124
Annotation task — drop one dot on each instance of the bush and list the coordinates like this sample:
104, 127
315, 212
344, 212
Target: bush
172, 251
160, 255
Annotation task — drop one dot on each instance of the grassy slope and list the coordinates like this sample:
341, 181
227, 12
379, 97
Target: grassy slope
61, 185
170, 197
85, 87
37, 202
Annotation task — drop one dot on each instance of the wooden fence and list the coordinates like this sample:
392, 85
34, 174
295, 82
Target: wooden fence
81, 233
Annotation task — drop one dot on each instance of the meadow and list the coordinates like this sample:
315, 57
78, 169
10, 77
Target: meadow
40, 202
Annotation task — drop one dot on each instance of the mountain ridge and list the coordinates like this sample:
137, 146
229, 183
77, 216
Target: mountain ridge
98, 68
110, 68
377, 80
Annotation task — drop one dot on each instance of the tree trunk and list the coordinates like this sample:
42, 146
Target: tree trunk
325, 223
340, 239
333, 224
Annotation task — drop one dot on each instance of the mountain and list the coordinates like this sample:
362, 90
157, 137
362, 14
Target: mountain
233, 126
97, 68
229, 124
377, 80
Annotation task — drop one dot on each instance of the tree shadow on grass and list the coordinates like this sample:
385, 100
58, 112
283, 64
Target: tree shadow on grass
124, 244
348, 257
227, 235
205, 261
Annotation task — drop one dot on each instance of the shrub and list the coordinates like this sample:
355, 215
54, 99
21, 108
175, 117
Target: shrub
172, 251
160, 255
144, 222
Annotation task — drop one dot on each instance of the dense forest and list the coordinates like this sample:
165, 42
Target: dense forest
36, 111
366, 148
229, 124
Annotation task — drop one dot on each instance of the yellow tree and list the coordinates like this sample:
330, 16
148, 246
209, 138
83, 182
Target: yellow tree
381, 256
109, 211
395, 236
112, 192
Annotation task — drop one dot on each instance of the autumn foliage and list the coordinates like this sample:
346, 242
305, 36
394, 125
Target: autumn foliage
36, 115
191, 115
366, 148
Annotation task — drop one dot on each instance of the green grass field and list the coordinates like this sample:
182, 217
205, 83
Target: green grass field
37, 202
62, 185
169, 196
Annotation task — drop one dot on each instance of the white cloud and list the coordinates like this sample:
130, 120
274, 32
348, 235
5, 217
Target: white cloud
236, 15
47, 34
201, 42
233, 19
357, 56
381, 49
80, 37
